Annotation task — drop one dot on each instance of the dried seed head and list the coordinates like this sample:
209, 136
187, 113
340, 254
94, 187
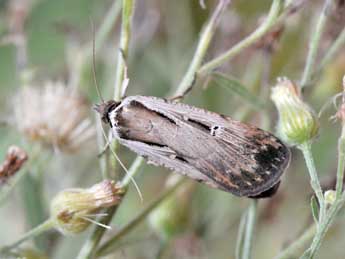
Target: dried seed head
297, 121
73, 210
54, 115
15, 158
330, 196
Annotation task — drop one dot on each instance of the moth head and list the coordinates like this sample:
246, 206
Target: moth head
105, 108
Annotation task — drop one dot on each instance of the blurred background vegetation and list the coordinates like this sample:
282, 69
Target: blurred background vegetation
163, 41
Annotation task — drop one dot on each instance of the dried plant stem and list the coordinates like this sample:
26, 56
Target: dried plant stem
203, 44
298, 245
314, 44
270, 21
43, 227
110, 245
126, 28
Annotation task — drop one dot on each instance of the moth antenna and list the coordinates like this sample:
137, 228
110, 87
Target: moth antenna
124, 167
95, 222
94, 61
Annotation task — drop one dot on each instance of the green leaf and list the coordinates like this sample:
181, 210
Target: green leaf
314, 208
236, 87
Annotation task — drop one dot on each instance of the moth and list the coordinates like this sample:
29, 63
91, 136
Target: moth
208, 147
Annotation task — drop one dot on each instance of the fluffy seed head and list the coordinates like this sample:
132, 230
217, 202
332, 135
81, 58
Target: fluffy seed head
54, 115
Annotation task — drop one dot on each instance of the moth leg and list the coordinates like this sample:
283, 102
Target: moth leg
180, 97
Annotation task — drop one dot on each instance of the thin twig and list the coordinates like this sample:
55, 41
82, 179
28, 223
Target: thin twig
126, 28
314, 45
203, 44
333, 50
276, 7
249, 231
299, 244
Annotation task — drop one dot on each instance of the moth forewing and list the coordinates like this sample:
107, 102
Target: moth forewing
206, 146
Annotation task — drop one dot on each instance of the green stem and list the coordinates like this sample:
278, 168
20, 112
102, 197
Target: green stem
138, 162
203, 44
126, 28
333, 50
276, 7
240, 236
107, 24
249, 231
314, 44
90, 246
299, 244
314, 180
43, 227
323, 228
341, 163
109, 245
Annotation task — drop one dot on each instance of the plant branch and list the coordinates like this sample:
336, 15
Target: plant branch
203, 44
314, 44
314, 180
298, 244
333, 50
43, 227
126, 28
249, 230
276, 7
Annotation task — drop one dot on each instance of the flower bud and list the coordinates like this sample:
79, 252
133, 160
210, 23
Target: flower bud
171, 217
330, 196
72, 209
297, 121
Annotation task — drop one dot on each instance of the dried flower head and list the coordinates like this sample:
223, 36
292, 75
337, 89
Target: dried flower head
14, 160
53, 115
72, 210
297, 121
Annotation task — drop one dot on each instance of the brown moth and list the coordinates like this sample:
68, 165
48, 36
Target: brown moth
211, 148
